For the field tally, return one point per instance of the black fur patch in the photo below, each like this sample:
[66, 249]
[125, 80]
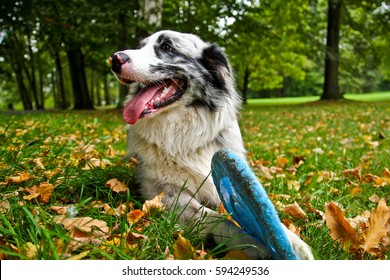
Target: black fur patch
[202, 103]
[213, 59]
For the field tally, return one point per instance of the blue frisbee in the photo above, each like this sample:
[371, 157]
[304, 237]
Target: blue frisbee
[246, 200]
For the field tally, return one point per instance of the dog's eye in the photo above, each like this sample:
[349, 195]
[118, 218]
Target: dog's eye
[165, 47]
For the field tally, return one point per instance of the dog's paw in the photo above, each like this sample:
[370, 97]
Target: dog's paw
[301, 249]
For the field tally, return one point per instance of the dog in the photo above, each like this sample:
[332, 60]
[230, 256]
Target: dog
[182, 108]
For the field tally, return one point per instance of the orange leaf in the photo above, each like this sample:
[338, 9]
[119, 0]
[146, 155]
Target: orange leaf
[281, 162]
[116, 185]
[17, 179]
[377, 227]
[42, 192]
[134, 216]
[294, 210]
[340, 229]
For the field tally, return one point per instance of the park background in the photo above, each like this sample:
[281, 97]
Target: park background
[53, 54]
[312, 73]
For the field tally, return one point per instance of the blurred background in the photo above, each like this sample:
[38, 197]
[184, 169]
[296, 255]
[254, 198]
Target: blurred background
[53, 53]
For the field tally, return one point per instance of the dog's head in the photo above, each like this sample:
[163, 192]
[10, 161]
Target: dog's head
[171, 69]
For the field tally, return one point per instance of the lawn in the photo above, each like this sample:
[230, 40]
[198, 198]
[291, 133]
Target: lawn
[63, 181]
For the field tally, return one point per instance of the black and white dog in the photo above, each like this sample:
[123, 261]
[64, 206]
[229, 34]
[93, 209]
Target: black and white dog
[182, 109]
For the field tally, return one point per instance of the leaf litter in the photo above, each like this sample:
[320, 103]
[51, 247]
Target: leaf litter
[283, 161]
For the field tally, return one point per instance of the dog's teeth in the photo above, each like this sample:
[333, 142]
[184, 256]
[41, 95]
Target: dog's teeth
[166, 90]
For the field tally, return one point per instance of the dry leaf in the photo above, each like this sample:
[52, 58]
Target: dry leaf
[374, 198]
[135, 237]
[17, 179]
[38, 163]
[134, 216]
[340, 229]
[168, 254]
[319, 214]
[281, 162]
[154, 204]
[60, 210]
[295, 211]
[4, 206]
[377, 226]
[79, 256]
[31, 250]
[182, 249]
[116, 185]
[42, 192]
[84, 224]
[353, 173]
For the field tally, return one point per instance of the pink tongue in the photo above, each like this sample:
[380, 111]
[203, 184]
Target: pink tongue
[133, 109]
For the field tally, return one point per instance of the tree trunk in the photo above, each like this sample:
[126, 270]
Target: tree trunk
[61, 88]
[15, 55]
[245, 86]
[150, 12]
[24, 95]
[81, 96]
[331, 82]
[124, 37]
[30, 73]
[107, 99]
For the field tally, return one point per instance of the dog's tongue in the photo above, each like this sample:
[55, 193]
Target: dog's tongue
[133, 109]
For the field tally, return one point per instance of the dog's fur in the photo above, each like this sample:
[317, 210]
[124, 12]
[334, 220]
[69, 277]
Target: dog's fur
[175, 143]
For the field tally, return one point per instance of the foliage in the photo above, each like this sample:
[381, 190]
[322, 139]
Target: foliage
[276, 47]
[63, 178]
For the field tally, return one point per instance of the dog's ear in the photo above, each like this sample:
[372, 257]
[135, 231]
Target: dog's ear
[217, 65]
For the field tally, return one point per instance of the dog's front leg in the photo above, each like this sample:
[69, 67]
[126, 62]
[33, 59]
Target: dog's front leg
[301, 249]
[190, 211]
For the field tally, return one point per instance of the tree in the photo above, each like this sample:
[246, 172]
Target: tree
[332, 56]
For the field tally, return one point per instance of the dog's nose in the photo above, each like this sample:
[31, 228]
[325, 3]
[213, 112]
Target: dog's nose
[117, 60]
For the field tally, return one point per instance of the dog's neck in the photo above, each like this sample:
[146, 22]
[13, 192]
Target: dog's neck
[182, 131]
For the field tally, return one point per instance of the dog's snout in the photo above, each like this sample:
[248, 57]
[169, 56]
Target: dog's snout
[117, 60]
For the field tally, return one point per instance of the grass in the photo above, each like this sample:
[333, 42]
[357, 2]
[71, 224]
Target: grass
[329, 138]
[367, 97]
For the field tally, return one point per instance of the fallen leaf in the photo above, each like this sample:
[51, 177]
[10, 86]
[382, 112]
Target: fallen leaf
[60, 210]
[340, 229]
[380, 182]
[355, 173]
[84, 224]
[356, 191]
[31, 250]
[135, 237]
[326, 176]
[377, 226]
[42, 192]
[38, 163]
[134, 216]
[168, 254]
[154, 204]
[4, 206]
[281, 162]
[182, 249]
[17, 179]
[295, 211]
[293, 185]
[319, 214]
[116, 185]
[79, 256]
[374, 198]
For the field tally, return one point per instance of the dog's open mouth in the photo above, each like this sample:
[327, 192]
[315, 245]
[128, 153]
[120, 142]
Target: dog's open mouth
[152, 97]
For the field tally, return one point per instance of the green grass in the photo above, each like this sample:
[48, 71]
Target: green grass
[366, 97]
[330, 137]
